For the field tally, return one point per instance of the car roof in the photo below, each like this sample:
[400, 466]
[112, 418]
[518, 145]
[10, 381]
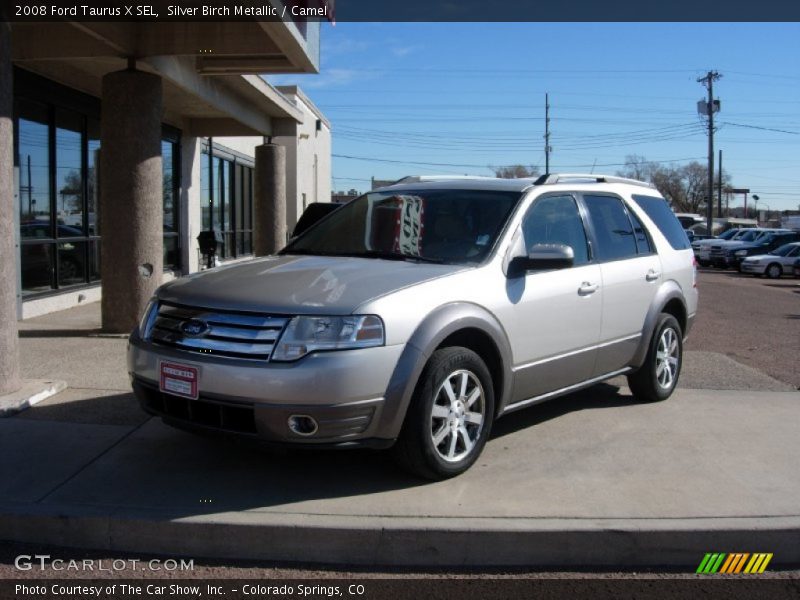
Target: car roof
[468, 182]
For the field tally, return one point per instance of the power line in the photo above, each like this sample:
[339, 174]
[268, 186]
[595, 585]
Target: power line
[762, 128]
[475, 166]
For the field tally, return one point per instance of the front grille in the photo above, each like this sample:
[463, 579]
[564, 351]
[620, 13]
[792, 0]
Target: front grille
[215, 414]
[228, 334]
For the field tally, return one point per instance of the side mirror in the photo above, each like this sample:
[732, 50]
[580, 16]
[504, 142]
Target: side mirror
[543, 257]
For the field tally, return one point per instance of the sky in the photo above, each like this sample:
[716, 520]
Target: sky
[459, 98]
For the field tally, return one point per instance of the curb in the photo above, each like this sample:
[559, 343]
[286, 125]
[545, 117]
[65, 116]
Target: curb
[32, 392]
[420, 542]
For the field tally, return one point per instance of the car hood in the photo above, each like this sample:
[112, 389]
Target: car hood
[743, 245]
[759, 257]
[299, 284]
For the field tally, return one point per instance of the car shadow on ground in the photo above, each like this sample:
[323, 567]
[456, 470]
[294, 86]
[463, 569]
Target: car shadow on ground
[786, 285]
[602, 395]
[179, 474]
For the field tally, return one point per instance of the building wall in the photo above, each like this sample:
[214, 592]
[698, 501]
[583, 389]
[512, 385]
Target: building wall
[308, 157]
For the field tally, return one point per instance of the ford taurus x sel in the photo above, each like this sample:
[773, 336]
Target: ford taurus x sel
[416, 315]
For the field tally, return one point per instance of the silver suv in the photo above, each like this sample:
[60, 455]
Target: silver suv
[417, 314]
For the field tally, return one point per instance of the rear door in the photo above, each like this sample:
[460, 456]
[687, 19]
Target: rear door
[630, 272]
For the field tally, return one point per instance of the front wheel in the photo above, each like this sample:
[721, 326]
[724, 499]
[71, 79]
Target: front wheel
[450, 416]
[774, 271]
[657, 377]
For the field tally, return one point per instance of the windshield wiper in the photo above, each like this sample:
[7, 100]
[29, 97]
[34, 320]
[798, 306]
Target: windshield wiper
[393, 256]
[365, 254]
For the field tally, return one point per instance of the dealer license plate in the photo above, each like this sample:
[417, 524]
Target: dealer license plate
[178, 379]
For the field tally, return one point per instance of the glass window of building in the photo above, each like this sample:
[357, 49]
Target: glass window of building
[226, 201]
[169, 158]
[57, 152]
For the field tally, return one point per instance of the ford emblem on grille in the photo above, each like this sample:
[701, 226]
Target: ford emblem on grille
[194, 328]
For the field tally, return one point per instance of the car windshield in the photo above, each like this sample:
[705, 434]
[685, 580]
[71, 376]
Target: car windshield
[727, 235]
[750, 235]
[448, 226]
[783, 250]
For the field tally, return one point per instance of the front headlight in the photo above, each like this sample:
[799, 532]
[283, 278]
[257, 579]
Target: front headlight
[741, 253]
[148, 318]
[308, 334]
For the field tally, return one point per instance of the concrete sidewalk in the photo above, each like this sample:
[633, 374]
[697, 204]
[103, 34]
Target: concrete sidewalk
[593, 479]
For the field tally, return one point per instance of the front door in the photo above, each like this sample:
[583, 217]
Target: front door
[556, 313]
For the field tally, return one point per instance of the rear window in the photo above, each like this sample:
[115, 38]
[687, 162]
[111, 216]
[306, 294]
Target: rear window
[661, 214]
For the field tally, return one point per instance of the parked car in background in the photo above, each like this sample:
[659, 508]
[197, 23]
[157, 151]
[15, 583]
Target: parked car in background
[721, 225]
[774, 264]
[722, 254]
[797, 268]
[689, 219]
[764, 244]
[702, 247]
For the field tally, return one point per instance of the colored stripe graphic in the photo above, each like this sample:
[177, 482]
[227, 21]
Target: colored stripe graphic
[734, 563]
[738, 562]
[758, 563]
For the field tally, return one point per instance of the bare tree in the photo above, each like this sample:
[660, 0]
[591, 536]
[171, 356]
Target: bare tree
[684, 187]
[515, 171]
[638, 167]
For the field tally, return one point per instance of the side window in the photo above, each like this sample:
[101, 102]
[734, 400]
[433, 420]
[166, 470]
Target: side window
[640, 233]
[612, 227]
[556, 220]
[660, 213]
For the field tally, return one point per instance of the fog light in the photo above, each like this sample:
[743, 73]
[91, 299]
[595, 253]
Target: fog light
[302, 425]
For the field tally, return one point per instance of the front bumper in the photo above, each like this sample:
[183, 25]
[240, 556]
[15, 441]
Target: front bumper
[344, 392]
[723, 261]
[753, 268]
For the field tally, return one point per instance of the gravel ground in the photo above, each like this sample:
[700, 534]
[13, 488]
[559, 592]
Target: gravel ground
[752, 320]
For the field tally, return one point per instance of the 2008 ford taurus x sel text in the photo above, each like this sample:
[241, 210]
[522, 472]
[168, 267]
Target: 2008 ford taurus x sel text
[417, 314]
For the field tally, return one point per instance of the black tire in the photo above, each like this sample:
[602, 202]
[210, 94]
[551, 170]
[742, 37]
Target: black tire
[417, 450]
[652, 383]
[773, 271]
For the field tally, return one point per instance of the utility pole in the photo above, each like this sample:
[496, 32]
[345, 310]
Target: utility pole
[708, 81]
[719, 187]
[547, 147]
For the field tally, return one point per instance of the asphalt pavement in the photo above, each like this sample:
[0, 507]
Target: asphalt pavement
[592, 479]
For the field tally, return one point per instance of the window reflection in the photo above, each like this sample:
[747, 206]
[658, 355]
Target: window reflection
[92, 180]
[71, 263]
[37, 267]
[34, 171]
[69, 171]
[57, 158]
[226, 201]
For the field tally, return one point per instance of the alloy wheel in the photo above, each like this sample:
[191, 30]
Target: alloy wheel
[667, 358]
[458, 415]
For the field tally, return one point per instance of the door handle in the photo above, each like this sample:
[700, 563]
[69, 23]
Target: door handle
[652, 275]
[587, 288]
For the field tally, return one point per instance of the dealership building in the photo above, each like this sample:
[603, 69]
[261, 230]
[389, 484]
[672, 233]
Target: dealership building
[121, 142]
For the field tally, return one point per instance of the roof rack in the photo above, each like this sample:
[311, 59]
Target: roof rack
[552, 178]
[424, 178]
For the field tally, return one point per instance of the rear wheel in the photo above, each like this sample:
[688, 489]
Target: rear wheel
[450, 416]
[658, 376]
[774, 271]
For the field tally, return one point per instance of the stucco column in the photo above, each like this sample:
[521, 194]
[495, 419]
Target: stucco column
[269, 202]
[9, 339]
[131, 196]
